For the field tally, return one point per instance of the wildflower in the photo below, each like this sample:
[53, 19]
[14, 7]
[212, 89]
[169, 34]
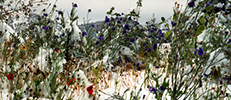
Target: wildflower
[97, 42]
[100, 37]
[75, 5]
[129, 18]
[138, 64]
[132, 40]
[191, 4]
[155, 46]
[178, 12]
[124, 31]
[23, 47]
[107, 19]
[84, 33]
[226, 32]
[162, 88]
[69, 81]
[57, 18]
[207, 5]
[149, 50]
[145, 53]
[44, 14]
[157, 66]
[200, 51]
[92, 25]
[229, 41]
[14, 45]
[207, 75]
[173, 23]
[60, 12]
[126, 27]
[113, 28]
[57, 50]
[90, 89]
[10, 77]
[175, 2]
[79, 42]
[63, 34]
[152, 89]
[89, 10]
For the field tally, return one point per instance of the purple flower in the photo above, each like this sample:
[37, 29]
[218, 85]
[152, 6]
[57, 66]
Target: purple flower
[226, 32]
[57, 18]
[92, 25]
[121, 19]
[14, 45]
[129, 18]
[207, 5]
[75, 5]
[126, 27]
[132, 39]
[152, 89]
[107, 19]
[162, 88]
[84, 33]
[191, 4]
[44, 14]
[100, 37]
[157, 66]
[79, 42]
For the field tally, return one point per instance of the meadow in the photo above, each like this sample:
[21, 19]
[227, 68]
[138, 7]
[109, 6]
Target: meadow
[186, 56]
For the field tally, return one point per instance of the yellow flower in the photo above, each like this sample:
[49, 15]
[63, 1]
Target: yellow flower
[23, 47]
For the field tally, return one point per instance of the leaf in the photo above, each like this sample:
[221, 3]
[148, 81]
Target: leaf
[202, 20]
[163, 19]
[200, 29]
[160, 23]
[174, 17]
[168, 33]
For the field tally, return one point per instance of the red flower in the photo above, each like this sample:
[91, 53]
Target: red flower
[69, 81]
[56, 50]
[10, 77]
[90, 89]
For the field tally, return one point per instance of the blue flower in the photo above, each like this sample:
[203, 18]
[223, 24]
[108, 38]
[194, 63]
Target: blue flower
[207, 75]
[57, 18]
[149, 50]
[155, 46]
[126, 27]
[200, 52]
[92, 25]
[229, 41]
[138, 64]
[113, 28]
[79, 42]
[75, 5]
[132, 39]
[100, 37]
[97, 42]
[191, 4]
[152, 89]
[162, 88]
[157, 66]
[173, 23]
[63, 34]
[84, 33]
[107, 19]
[226, 32]
[44, 14]
[124, 31]
[121, 19]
